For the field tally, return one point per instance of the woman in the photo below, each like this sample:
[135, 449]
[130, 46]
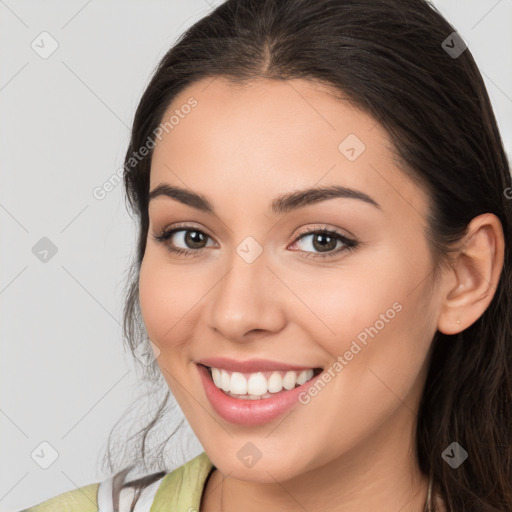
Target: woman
[323, 264]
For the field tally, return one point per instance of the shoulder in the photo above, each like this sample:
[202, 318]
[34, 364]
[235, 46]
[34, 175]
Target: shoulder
[167, 491]
[83, 499]
[182, 488]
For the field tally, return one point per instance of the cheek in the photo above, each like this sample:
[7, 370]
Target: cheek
[164, 304]
[171, 296]
[375, 311]
[345, 300]
[161, 304]
[151, 299]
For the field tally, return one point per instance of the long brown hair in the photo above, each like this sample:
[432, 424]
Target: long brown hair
[388, 58]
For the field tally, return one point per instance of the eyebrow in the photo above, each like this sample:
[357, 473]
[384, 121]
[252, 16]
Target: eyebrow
[282, 204]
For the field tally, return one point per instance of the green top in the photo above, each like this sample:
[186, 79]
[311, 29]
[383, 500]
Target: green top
[180, 490]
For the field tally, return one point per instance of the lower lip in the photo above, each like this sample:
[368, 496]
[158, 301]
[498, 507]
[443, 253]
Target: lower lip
[250, 412]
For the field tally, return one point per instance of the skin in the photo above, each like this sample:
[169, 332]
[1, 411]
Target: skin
[351, 447]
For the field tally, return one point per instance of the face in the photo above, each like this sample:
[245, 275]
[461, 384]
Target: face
[340, 283]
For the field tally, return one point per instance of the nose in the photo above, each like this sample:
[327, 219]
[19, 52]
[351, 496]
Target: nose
[248, 302]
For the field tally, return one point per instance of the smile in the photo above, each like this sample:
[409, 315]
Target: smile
[261, 384]
[255, 403]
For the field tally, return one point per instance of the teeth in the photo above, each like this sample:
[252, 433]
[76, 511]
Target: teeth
[303, 378]
[275, 383]
[252, 386]
[225, 381]
[289, 380]
[238, 384]
[257, 384]
[217, 377]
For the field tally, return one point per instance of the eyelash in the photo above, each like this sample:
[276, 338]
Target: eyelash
[165, 234]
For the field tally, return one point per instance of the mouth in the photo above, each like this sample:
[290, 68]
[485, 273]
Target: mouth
[258, 385]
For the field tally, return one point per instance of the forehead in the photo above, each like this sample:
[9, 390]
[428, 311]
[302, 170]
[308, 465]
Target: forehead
[267, 137]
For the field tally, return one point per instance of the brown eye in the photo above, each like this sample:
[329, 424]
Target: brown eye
[324, 241]
[193, 239]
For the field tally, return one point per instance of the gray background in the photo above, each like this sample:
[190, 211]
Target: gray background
[65, 122]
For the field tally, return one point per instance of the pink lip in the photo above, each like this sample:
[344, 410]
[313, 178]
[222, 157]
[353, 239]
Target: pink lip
[252, 365]
[250, 412]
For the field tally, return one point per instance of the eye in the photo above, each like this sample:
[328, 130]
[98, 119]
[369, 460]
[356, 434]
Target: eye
[324, 240]
[188, 235]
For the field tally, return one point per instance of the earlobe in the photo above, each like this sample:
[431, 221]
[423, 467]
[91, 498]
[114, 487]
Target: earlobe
[476, 275]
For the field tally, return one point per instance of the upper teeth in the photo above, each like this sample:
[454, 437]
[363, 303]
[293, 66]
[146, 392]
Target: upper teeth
[258, 383]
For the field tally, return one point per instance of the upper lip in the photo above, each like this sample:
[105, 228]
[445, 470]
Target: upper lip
[250, 365]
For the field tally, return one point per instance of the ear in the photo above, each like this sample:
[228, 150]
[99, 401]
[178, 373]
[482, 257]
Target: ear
[474, 276]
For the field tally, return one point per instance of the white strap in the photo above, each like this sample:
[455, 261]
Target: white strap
[106, 504]
[145, 499]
